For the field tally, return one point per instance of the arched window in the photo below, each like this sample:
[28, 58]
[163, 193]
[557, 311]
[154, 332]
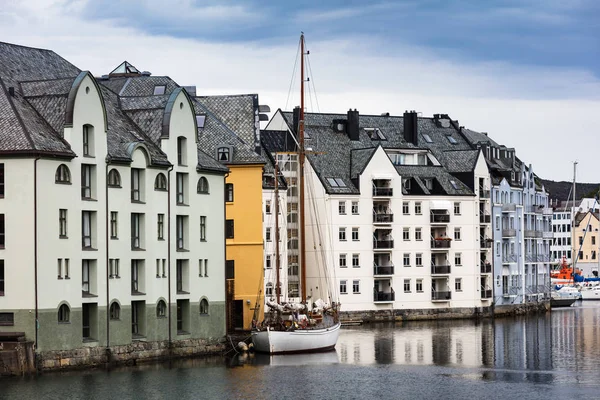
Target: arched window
[160, 183]
[203, 306]
[114, 178]
[203, 185]
[63, 175]
[115, 311]
[64, 313]
[161, 309]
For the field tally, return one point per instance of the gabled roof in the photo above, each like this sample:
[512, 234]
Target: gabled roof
[458, 161]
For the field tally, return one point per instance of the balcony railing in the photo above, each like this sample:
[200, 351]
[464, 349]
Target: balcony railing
[440, 243]
[383, 269]
[509, 232]
[384, 296]
[383, 191]
[383, 244]
[440, 269]
[486, 268]
[441, 296]
[485, 243]
[382, 218]
[484, 194]
[543, 258]
[529, 233]
[537, 209]
[547, 211]
[484, 219]
[440, 218]
[512, 207]
[486, 293]
[547, 235]
[509, 258]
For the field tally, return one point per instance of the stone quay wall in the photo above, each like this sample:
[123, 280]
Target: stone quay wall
[130, 354]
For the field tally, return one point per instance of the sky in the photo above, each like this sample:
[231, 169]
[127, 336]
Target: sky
[525, 71]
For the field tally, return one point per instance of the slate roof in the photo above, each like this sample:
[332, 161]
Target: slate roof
[334, 155]
[458, 161]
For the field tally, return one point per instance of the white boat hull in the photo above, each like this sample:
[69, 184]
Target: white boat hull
[298, 341]
[590, 293]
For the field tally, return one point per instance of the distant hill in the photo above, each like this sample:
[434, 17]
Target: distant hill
[560, 190]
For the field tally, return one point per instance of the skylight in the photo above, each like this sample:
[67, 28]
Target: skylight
[427, 138]
[336, 182]
[452, 140]
[375, 134]
[454, 185]
[159, 89]
[200, 119]
[340, 182]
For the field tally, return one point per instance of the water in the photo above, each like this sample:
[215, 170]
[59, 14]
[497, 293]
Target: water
[552, 356]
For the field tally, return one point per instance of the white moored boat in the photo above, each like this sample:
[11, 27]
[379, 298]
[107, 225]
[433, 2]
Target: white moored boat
[590, 293]
[296, 341]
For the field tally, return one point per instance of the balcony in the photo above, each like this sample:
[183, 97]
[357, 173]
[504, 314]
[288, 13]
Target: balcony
[534, 209]
[440, 218]
[543, 258]
[383, 191]
[547, 235]
[484, 194]
[440, 243]
[486, 293]
[512, 207]
[441, 296]
[440, 269]
[509, 258]
[485, 243]
[484, 219]
[547, 211]
[529, 233]
[383, 244]
[384, 297]
[486, 268]
[509, 233]
[383, 270]
[383, 218]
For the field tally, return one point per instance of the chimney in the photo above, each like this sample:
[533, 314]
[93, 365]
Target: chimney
[352, 125]
[296, 120]
[11, 91]
[411, 127]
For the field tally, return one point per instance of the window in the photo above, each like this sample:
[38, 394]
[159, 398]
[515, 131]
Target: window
[203, 228]
[200, 120]
[136, 184]
[355, 287]
[164, 268]
[1, 180]
[458, 259]
[114, 224]
[343, 261]
[87, 277]
[407, 286]
[293, 289]
[2, 231]
[204, 306]
[269, 289]
[405, 209]
[419, 259]
[88, 141]
[418, 234]
[87, 228]
[181, 226]
[268, 207]
[87, 172]
[64, 314]
[405, 233]
[457, 208]
[159, 89]
[115, 311]
[419, 286]
[229, 231]
[181, 180]
[229, 192]
[160, 227]
[181, 151]
[137, 229]
[161, 309]
[355, 208]
[268, 261]
[268, 234]
[457, 234]
[182, 276]
[451, 140]
[114, 178]
[137, 276]
[343, 289]
[593, 239]
[67, 268]
[63, 175]
[160, 183]
[223, 154]
[342, 234]
[342, 207]
[336, 182]
[427, 138]
[406, 259]
[203, 185]
[7, 319]
[593, 254]
[418, 208]
[292, 216]
[428, 183]
[355, 260]
[497, 223]
[458, 284]
[2, 277]
[454, 185]
[113, 265]
[354, 234]
[62, 223]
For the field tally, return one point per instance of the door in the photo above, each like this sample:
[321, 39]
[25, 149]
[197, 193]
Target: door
[238, 314]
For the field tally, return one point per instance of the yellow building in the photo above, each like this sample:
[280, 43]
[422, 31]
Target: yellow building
[230, 130]
[587, 242]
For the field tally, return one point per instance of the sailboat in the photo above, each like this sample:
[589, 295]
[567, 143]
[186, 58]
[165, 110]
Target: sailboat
[308, 326]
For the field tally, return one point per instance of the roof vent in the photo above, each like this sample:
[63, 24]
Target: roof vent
[146, 73]
[11, 91]
[385, 114]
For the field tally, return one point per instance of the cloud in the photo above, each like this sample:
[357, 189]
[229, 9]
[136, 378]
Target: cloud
[546, 113]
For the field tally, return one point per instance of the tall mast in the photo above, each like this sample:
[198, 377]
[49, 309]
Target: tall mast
[301, 175]
[575, 249]
[277, 258]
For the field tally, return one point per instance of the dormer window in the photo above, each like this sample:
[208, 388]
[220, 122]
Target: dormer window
[159, 89]
[223, 154]
[428, 183]
[375, 133]
[421, 159]
[406, 184]
[200, 120]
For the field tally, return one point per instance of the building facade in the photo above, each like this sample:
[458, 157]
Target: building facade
[587, 243]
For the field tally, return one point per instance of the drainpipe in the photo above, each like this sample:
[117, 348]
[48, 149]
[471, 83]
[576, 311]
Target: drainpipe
[35, 251]
[107, 219]
[227, 304]
[169, 251]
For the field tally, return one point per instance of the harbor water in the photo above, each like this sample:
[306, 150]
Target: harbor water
[551, 356]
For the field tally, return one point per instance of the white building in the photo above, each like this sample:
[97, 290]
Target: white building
[111, 216]
[561, 226]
